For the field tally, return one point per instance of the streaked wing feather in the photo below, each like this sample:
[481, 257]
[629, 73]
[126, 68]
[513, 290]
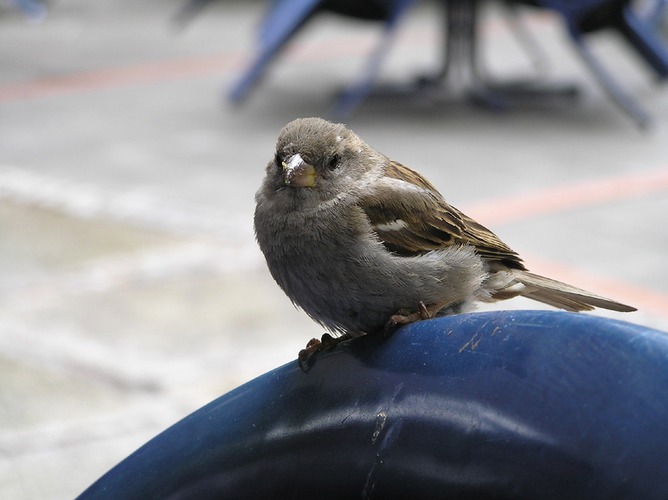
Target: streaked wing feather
[413, 218]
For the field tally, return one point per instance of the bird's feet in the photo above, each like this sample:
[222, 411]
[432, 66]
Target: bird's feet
[307, 356]
[404, 317]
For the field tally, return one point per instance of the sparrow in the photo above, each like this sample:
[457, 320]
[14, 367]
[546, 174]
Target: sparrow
[364, 244]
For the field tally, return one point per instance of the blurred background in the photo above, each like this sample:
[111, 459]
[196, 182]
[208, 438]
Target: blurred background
[131, 288]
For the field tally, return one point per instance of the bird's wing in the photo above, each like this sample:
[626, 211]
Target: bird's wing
[411, 217]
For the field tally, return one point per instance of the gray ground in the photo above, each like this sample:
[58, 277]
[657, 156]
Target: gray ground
[131, 289]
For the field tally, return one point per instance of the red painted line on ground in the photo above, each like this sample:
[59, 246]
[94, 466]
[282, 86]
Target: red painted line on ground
[124, 76]
[571, 197]
[169, 70]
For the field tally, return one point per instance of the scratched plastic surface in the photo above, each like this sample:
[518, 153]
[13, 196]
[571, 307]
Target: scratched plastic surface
[516, 404]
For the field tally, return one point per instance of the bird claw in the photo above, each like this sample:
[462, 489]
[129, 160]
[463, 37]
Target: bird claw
[307, 356]
[404, 317]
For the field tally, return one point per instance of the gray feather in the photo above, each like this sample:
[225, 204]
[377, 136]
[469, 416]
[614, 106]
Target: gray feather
[564, 296]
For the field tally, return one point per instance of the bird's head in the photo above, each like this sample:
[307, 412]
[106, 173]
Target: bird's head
[325, 158]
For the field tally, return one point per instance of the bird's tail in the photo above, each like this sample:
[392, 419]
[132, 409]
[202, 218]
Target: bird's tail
[558, 294]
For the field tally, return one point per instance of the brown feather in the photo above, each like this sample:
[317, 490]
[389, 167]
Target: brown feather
[434, 224]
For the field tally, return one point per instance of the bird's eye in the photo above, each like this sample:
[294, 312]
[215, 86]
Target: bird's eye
[278, 161]
[333, 162]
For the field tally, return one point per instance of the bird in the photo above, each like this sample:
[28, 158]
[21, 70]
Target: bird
[364, 244]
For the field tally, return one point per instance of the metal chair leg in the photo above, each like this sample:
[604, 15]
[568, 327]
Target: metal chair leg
[622, 98]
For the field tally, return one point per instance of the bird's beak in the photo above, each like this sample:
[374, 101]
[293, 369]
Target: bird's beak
[298, 173]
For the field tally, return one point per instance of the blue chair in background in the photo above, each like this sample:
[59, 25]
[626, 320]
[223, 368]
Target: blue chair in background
[583, 17]
[656, 15]
[286, 17]
[458, 73]
[34, 10]
[513, 404]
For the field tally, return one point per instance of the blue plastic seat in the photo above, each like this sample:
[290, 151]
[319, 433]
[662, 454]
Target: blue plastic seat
[516, 404]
